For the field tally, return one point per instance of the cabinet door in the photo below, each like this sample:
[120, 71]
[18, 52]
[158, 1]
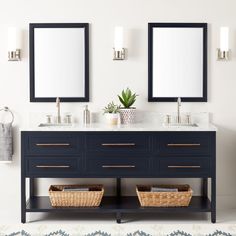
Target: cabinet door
[52, 143]
[183, 143]
[118, 167]
[184, 167]
[117, 142]
[53, 167]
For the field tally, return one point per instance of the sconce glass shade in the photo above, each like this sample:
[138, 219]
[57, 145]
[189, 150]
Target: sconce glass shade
[223, 52]
[224, 38]
[119, 38]
[14, 44]
[119, 50]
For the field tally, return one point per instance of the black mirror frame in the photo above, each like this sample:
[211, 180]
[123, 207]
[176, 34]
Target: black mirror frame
[150, 61]
[32, 26]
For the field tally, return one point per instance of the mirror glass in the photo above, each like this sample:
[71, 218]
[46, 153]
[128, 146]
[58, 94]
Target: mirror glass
[59, 62]
[177, 61]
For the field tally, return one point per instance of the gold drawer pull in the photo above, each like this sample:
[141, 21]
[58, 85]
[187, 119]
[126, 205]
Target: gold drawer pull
[118, 144]
[63, 166]
[118, 166]
[184, 166]
[183, 144]
[52, 144]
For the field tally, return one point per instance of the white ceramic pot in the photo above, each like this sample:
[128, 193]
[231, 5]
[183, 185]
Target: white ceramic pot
[127, 115]
[112, 118]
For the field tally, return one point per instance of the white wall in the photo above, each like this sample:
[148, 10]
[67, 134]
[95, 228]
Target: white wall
[108, 77]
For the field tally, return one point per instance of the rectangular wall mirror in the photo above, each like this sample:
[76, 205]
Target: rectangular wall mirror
[177, 62]
[59, 62]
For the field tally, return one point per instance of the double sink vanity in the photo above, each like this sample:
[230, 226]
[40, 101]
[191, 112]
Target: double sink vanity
[134, 151]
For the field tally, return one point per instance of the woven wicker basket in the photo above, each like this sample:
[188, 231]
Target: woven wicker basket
[91, 198]
[164, 199]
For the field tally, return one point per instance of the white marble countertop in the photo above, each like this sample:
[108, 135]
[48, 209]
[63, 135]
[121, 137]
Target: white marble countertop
[133, 127]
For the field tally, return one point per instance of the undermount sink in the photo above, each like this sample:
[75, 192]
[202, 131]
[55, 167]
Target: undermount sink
[180, 125]
[55, 125]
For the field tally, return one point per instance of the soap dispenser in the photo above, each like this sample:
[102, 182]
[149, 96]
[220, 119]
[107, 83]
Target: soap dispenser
[86, 115]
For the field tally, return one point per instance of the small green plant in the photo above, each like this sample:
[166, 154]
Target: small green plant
[111, 108]
[127, 98]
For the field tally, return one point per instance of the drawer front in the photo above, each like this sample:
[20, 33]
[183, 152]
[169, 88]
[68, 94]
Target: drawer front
[127, 142]
[129, 167]
[185, 167]
[52, 143]
[193, 143]
[53, 167]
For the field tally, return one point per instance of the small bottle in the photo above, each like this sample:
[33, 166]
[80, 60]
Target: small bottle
[188, 119]
[86, 115]
[168, 119]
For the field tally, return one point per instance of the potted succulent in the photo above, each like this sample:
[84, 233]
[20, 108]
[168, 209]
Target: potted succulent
[127, 112]
[112, 112]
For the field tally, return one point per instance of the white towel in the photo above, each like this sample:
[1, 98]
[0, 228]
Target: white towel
[6, 142]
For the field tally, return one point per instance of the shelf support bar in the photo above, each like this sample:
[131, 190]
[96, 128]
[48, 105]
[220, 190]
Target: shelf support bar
[118, 197]
[205, 187]
[118, 188]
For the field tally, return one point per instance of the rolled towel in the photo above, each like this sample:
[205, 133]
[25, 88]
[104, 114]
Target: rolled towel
[157, 189]
[82, 189]
[6, 142]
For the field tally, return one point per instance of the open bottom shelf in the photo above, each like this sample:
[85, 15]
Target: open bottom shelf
[113, 204]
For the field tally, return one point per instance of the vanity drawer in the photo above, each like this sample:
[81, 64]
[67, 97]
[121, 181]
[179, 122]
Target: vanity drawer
[187, 143]
[52, 143]
[184, 167]
[125, 142]
[53, 167]
[129, 167]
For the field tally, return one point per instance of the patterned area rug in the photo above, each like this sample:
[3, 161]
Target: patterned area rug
[119, 230]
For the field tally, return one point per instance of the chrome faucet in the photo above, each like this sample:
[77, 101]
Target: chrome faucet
[58, 110]
[178, 110]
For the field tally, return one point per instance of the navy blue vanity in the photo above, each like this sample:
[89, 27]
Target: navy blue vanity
[118, 154]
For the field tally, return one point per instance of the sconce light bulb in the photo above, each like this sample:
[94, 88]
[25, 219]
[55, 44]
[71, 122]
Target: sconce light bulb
[224, 39]
[119, 38]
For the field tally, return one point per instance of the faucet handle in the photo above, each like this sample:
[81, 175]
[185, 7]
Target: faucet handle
[188, 118]
[49, 119]
[168, 119]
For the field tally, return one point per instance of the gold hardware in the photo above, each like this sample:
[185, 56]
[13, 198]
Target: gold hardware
[118, 166]
[184, 166]
[118, 144]
[52, 144]
[41, 166]
[183, 144]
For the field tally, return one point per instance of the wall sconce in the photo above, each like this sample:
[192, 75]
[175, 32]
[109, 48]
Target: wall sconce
[119, 50]
[14, 53]
[223, 52]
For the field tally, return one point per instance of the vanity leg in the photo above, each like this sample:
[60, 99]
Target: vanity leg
[23, 199]
[118, 217]
[213, 200]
